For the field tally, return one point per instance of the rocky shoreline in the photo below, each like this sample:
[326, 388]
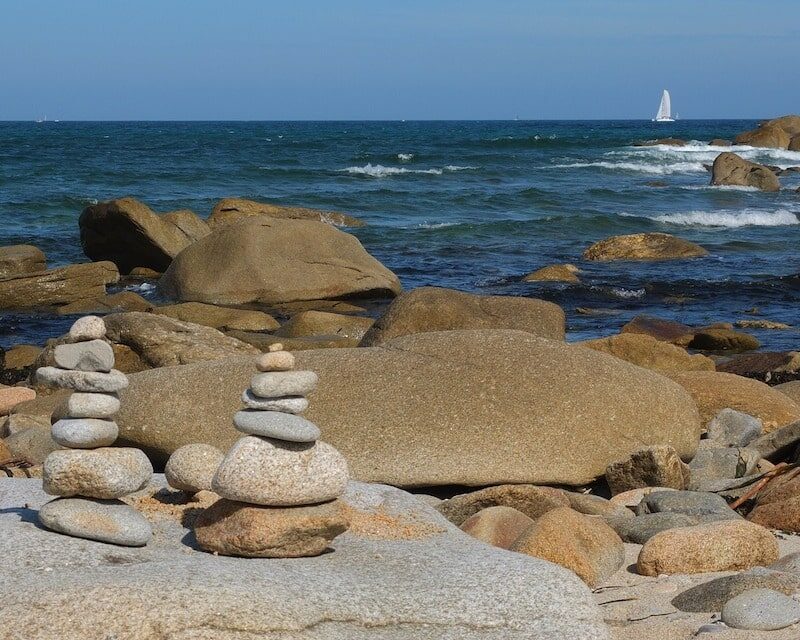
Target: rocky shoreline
[639, 485]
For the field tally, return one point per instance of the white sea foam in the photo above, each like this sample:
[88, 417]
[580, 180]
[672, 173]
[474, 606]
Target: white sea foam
[640, 167]
[433, 225]
[699, 152]
[144, 287]
[379, 171]
[721, 187]
[404, 157]
[731, 219]
[455, 167]
[627, 294]
[726, 218]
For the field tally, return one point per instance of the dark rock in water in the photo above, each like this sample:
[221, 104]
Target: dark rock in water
[670, 142]
[766, 135]
[712, 595]
[723, 339]
[656, 183]
[660, 329]
[730, 169]
[129, 234]
[772, 367]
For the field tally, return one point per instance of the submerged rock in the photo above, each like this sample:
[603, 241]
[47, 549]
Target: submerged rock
[554, 273]
[643, 246]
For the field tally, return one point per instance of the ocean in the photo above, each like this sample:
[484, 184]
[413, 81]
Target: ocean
[469, 205]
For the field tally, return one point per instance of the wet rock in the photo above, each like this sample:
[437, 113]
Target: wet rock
[554, 273]
[643, 246]
[723, 339]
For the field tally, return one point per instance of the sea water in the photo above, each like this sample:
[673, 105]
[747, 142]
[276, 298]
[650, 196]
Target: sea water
[468, 205]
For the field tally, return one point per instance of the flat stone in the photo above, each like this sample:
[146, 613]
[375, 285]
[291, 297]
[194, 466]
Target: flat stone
[85, 433]
[648, 467]
[102, 520]
[761, 610]
[711, 596]
[457, 587]
[693, 503]
[87, 328]
[94, 355]
[275, 424]
[497, 526]
[587, 546]
[271, 472]
[733, 428]
[105, 473]
[641, 528]
[278, 384]
[718, 546]
[532, 500]
[238, 529]
[87, 405]
[192, 467]
[88, 381]
[10, 397]
[275, 361]
[289, 404]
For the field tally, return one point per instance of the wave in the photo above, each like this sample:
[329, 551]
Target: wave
[627, 294]
[640, 167]
[405, 157]
[381, 171]
[729, 219]
[720, 187]
[433, 225]
[701, 152]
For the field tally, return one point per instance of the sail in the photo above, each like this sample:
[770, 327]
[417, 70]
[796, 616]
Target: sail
[664, 109]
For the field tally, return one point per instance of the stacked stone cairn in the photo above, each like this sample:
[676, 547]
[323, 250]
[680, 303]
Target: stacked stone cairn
[89, 475]
[279, 484]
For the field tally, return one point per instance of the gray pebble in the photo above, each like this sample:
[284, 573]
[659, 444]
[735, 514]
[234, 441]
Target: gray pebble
[87, 328]
[761, 610]
[89, 381]
[87, 405]
[102, 520]
[277, 384]
[95, 355]
[274, 424]
[289, 404]
[84, 433]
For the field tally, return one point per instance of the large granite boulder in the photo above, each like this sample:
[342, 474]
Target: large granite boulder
[21, 259]
[161, 341]
[714, 391]
[643, 246]
[776, 133]
[57, 287]
[457, 407]
[401, 572]
[438, 309]
[272, 261]
[222, 318]
[645, 351]
[129, 234]
[229, 210]
[730, 169]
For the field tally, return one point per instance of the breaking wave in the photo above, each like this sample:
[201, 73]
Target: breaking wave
[730, 219]
[380, 171]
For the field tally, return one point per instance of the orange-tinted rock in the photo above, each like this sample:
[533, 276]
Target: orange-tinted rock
[497, 526]
[530, 499]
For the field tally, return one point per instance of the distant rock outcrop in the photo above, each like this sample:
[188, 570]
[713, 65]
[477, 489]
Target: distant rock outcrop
[776, 133]
[730, 169]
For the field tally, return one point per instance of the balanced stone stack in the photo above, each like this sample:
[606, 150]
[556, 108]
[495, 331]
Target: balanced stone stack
[279, 483]
[90, 475]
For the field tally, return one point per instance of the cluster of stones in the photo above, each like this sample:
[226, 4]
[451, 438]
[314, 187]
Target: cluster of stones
[89, 475]
[278, 484]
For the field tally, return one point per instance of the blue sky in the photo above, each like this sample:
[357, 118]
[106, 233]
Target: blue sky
[413, 59]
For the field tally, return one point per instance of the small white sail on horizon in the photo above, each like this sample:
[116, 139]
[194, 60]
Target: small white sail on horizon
[664, 109]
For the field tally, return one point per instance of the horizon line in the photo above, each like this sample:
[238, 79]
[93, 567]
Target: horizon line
[246, 120]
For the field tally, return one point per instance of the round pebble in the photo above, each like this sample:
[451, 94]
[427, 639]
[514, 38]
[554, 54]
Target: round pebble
[275, 473]
[94, 355]
[84, 433]
[104, 473]
[191, 468]
[289, 404]
[87, 405]
[87, 381]
[278, 384]
[275, 361]
[87, 328]
[275, 424]
[761, 610]
[102, 520]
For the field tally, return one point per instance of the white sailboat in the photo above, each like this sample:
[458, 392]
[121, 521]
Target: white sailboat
[664, 109]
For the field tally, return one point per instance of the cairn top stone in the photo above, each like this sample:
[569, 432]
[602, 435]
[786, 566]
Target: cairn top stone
[87, 328]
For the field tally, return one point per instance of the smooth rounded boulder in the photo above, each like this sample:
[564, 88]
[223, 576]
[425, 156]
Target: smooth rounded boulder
[731, 169]
[438, 309]
[275, 261]
[457, 407]
[643, 246]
